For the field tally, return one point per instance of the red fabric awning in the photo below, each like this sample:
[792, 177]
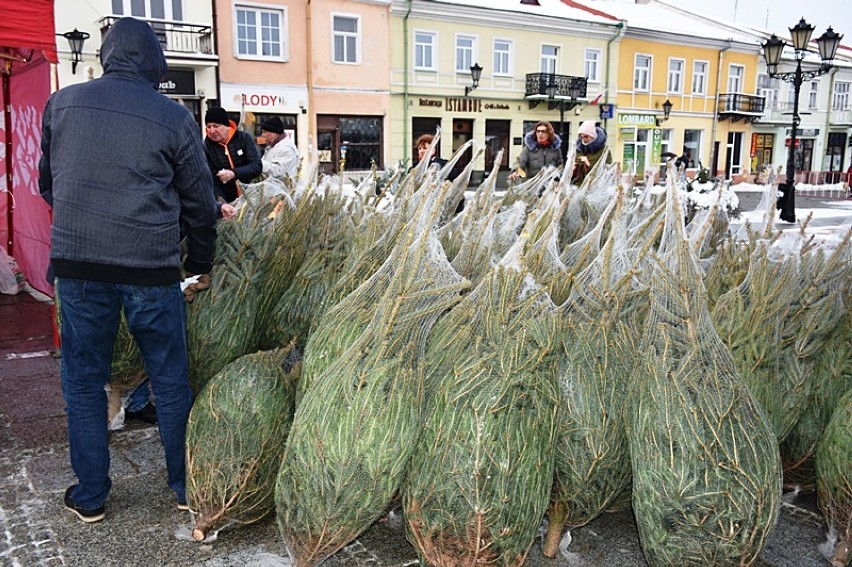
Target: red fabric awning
[28, 24]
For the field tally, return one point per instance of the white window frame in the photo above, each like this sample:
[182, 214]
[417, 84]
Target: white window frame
[168, 8]
[840, 98]
[431, 47]
[736, 75]
[346, 35]
[507, 55]
[592, 65]
[465, 56]
[699, 77]
[813, 95]
[674, 83]
[769, 88]
[642, 75]
[283, 32]
[549, 62]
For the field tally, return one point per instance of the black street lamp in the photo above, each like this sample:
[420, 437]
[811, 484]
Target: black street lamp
[75, 39]
[475, 75]
[773, 49]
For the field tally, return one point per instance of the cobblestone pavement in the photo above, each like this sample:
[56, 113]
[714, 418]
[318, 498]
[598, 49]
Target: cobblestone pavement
[142, 526]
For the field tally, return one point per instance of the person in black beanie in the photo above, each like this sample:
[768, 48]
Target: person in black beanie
[231, 155]
[281, 157]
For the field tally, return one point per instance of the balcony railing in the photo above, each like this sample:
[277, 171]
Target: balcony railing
[537, 83]
[739, 106]
[175, 37]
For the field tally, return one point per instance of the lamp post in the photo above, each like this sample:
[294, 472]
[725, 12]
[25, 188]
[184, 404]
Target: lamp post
[475, 75]
[773, 49]
[667, 112]
[75, 42]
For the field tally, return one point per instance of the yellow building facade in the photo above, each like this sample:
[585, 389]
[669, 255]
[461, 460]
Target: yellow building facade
[436, 43]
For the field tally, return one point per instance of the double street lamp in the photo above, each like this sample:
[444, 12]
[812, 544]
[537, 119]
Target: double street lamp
[773, 49]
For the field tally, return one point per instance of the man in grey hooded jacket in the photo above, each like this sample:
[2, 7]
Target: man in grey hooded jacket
[124, 169]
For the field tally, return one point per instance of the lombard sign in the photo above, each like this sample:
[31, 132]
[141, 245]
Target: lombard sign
[261, 98]
[637, 120]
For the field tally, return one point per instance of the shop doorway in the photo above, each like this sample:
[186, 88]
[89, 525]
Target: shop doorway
[462, 132]
[420, 126]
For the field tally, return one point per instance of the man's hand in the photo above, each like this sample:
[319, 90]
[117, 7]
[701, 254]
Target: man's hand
[226, 175]
[229, 212]
[201, 284]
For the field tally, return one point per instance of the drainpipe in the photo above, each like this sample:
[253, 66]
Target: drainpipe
[310, 78]
[405, 120]
[716, 103]
[619, 31]
[214, 37]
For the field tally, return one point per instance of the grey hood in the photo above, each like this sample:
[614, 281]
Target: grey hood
[131, 49]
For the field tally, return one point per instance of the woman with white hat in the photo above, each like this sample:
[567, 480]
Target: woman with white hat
[591, 145]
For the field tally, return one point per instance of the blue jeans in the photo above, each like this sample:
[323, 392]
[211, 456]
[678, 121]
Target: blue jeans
[156, 317]
[139, 398]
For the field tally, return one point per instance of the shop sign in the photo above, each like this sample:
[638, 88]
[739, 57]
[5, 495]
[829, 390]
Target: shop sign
[431, 102]
[464, 105]
[258, 98]
[637, 120]
[178, 82]
[806, 132]
[753, 145]
[656, 145]
[496, 106]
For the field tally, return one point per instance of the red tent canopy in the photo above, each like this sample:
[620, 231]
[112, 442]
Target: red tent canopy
[28, 24]
[27, 43]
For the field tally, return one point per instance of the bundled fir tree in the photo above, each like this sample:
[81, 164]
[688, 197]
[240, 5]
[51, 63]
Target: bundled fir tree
[705, 463]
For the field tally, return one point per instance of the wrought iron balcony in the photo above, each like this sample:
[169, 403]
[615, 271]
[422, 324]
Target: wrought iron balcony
[175, 37]
[568, 89]
[739, 106]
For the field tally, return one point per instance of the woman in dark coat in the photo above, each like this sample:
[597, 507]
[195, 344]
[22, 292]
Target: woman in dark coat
[541, 148]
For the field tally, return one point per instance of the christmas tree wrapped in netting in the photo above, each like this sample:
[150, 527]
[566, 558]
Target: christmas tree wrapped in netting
[749, 319]
[705, 462]
[350, 305]
[833, 377]
[478, 483]
[358, 421]
[329, 245]
[235, 438]
[221, 322]
[596, 364]
[815, 310]
[833, 464]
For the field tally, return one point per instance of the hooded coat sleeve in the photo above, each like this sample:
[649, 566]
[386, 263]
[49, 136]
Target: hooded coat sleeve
[194, 184]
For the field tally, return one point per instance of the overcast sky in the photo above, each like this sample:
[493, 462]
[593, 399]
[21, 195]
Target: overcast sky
[782, 14]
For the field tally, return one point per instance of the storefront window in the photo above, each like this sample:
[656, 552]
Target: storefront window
[692, 147]
[355, 139]
[496, 139]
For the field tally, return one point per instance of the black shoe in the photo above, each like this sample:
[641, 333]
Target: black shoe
[148, 414]
[88, 516]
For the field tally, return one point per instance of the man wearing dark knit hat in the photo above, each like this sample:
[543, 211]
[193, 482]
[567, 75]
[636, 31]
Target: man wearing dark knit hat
[231, 154]
[281, 157]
